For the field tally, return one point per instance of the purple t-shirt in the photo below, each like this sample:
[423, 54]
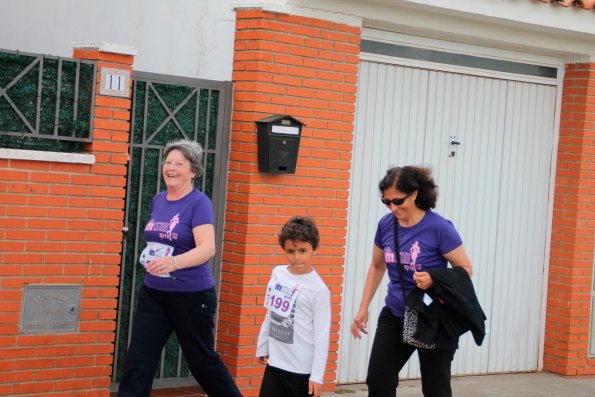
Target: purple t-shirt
[421, 245]
[171, 223]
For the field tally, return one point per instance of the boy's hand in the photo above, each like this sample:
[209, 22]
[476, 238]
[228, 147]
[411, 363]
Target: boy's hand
[314, 388]
[263, 360]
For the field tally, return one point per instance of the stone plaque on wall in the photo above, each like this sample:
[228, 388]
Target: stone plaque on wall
[51, 308]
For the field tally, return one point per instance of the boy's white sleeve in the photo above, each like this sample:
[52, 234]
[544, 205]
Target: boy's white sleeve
[262, 347]
[322, 326]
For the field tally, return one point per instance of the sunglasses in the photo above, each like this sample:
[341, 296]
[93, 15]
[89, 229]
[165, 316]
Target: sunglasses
[395, 201]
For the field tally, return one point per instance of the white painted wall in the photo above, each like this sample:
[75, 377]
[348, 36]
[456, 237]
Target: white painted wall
[522, 25]
[194, 38]
[190, 38]
[532, 12]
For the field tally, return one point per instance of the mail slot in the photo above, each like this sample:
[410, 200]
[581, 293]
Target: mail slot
[278, 143]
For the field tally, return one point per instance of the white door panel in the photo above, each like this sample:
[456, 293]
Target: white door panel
[494, 186]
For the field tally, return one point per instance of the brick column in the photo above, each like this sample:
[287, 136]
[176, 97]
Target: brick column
[61, 223]
[571, 258]
[111, 134]
[306, 68]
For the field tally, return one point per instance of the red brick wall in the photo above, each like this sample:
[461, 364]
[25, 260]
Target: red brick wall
[61, 223]
[306, 68]
[571, 257]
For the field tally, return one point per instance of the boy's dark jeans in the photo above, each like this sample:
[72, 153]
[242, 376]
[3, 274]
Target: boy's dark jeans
[280, 383]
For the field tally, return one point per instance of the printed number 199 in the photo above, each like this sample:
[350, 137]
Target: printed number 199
[279, 302]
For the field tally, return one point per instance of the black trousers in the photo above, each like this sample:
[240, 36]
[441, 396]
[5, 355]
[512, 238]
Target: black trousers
[390, 354]
[190, 315]
[280, 383]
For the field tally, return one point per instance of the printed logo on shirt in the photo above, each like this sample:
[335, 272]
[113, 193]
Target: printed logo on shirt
[281, 328]
[413, 254]
[166, 228]
[389, 255]
[408, 259]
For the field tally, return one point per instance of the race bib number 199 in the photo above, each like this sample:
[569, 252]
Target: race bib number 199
[281, 296]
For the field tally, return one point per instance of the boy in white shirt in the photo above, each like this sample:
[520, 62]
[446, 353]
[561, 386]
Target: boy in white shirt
[294, 336]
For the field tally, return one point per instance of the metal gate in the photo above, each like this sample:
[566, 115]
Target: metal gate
[490, 142]
[164, 109]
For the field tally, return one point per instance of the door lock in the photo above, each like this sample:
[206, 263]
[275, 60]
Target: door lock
[454, 142]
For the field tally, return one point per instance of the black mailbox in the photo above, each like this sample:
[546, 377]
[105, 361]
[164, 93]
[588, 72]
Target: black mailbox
[278, 143]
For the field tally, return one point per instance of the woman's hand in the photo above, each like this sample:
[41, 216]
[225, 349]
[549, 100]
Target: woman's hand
[314, 388]
[360, 322]
[423, 280]
[160, 266]
[263, 359]
[373, 279]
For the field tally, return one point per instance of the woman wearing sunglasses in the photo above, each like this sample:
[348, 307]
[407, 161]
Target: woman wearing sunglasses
[425, 241]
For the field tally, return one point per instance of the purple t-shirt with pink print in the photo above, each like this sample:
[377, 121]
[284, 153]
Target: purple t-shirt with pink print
[171, 223]
[421, 245]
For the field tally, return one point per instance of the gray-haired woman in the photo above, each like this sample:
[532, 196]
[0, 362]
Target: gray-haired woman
[178, 293]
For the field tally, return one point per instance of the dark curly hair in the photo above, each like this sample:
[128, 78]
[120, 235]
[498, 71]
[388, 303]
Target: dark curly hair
[409, 179]
[300, 228]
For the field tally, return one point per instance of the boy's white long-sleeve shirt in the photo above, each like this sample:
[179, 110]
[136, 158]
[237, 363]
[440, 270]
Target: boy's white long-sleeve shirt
[299, 343]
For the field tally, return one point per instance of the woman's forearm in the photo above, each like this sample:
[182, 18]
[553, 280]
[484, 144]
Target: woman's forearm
[195, 257]
[204, 237]
[373, 279]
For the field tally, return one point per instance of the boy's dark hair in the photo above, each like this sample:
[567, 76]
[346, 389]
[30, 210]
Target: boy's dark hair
[300, 228]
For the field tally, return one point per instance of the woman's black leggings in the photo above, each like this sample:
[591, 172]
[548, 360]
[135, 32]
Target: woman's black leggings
[190, 315]
[390, 354]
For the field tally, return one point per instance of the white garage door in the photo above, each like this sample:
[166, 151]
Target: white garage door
[494, 186]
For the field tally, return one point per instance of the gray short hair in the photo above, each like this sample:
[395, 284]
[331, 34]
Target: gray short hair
[191, 150]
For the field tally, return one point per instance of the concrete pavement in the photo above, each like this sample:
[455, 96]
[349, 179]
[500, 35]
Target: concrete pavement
[536, 384]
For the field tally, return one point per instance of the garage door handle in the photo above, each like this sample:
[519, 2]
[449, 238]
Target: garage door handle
[454, 142]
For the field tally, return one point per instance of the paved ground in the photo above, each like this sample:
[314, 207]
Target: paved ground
[540, 384]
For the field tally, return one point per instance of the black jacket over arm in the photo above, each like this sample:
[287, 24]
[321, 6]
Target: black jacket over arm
[454, 310]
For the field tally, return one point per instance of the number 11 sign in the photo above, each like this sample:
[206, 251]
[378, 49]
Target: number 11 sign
[115, 82]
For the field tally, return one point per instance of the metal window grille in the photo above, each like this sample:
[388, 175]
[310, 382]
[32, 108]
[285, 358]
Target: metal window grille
[46, 97]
